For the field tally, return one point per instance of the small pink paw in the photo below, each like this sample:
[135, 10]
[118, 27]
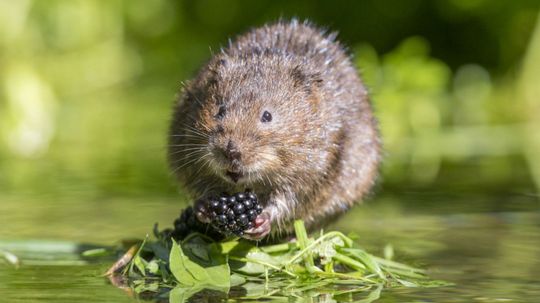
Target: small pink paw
[262, 228]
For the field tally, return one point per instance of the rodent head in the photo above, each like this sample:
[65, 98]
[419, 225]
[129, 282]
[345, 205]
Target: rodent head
[258, 117]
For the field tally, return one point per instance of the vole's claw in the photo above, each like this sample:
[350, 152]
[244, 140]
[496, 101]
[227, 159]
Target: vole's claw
[200, 211]
[263, 226]
[202, 217]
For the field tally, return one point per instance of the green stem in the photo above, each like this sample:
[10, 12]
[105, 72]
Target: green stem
[349, 261]
[274, 267]
[329, 267]
[393, 264]
[131, 263]
[303, 242]
[277, 248]
[343, 276]
[348, 243]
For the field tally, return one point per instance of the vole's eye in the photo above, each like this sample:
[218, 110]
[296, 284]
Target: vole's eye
[266, 117]
[221, 112]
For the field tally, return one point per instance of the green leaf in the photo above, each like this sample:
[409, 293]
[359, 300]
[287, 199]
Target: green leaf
[275, 272]
[153, 267]
[136, 261]
[254, 290]
[366, 259]
[373, 295]
[140, 264]
[407, 283]
[198, 248]
[143, 287]
[237, 280]
[160, 251]
[187, 272]
[256, 263]
[178, 263]
[327, 249]
[181, 294]
[96, 252]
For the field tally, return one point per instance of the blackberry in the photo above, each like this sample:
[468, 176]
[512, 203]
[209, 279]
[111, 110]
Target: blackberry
[187, 223]
[233, 214]
[229, 214]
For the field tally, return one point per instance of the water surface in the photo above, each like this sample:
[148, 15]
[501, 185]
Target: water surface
[489, 255]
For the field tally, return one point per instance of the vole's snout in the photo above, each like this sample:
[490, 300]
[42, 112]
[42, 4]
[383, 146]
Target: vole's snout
[231, 152]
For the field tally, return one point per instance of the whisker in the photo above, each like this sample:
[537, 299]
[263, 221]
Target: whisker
[186, 150]
[190, 130]
[202, 166]
[185, 136]
[189, 162]
[207, 163]
[188, 155]
[196, 135]
[187, 145]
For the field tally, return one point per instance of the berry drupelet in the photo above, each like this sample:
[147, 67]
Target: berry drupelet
[234, 214]
[229, 214]
[187, 223]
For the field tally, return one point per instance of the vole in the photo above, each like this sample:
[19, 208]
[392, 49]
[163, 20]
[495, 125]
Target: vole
[281, 110]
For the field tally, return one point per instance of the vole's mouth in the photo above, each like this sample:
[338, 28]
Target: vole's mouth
[234, 176]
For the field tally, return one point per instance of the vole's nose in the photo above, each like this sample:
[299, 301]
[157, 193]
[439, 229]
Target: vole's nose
[232, 152]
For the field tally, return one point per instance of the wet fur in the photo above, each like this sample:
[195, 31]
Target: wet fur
[317, 157]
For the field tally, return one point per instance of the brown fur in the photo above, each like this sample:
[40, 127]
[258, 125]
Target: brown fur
[315, 159]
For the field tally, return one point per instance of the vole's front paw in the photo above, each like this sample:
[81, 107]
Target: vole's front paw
[263, 225]
[201, 210]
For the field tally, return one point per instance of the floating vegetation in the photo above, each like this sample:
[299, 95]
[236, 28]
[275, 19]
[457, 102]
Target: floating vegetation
[331, 264]
[9, 257]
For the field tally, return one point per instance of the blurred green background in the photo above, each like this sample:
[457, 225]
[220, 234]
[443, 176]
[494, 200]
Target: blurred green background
[86, 89]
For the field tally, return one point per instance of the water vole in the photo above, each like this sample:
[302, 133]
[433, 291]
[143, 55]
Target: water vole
[282, 111]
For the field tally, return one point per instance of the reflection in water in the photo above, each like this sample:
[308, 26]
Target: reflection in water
[489, 256]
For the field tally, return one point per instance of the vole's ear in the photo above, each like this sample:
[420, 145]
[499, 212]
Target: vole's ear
[306, 80]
